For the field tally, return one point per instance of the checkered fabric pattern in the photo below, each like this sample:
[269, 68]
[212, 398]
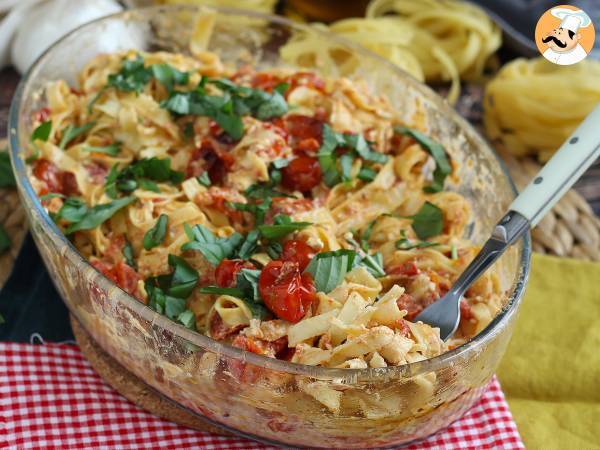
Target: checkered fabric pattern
[51, 398]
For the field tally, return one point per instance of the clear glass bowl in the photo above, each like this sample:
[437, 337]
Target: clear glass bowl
[272, 402]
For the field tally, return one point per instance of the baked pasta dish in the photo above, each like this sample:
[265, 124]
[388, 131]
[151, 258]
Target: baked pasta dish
[286, 214]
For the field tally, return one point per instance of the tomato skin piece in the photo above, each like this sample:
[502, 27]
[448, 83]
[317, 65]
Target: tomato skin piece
[410, 304]
[121, 274]
[227, 270]
[57, 181]
[408, 269]
[302, 174]
[297, 251]
[304, 127]
[285, 291]
[465, 310]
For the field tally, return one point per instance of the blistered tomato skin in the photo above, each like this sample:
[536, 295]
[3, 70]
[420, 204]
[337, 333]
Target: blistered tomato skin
[227, 270]
[286, 292]
[298, 251]
[57, 181]
[302, 174]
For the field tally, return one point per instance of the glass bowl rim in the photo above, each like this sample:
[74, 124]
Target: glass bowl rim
[222, 348]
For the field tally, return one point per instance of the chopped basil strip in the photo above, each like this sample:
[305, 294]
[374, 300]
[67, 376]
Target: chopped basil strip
[282, 226]
[112, 149]
[356, 145]
[217, 290]
[169, 76]
[143, 174]
[328, 269]
[214, 249]
[42, 131]
[249, 245]
[204, 179]
[71, 132]
[406, 244]
[428, 222]
[51, 195]
[246, 289]
[372, 262]
[156, 235]
[436, 150]
[73, 210]
[4, 240]
[94, 216]
[274, 250]
[128, 255]
[7, 177]
[132, 77]
[259, 210]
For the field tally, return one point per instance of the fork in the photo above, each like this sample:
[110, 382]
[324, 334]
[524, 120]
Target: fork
[576, 154]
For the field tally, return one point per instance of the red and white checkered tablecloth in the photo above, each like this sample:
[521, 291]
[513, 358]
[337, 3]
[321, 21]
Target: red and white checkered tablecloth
[51, 398]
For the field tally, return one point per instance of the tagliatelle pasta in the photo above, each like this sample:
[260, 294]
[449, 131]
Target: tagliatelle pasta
[289, 215]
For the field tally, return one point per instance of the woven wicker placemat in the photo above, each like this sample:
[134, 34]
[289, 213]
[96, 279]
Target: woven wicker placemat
[12, 219]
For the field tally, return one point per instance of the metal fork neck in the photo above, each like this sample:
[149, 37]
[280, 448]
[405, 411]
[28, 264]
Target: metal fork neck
[510, 228]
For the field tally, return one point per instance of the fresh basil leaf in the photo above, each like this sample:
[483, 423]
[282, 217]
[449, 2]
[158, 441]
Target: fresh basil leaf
[147, 185]
[436, 150]
[281, 88]
[42, 131]
[274, 106]
[328, 269]
[346, 165]
[98, 214]
[96, 97]
[183, 279]
[112, 149]
[204, 179]
[258, 310]
[7, 177]
[174, 307]
[366, 174]
[71, 132]
[263, 190]
[259, 210]
[249, 245]
[128, 254]
[280, 163]
[187, 319]
[212, 248]
[281, 227]
[110, 186]
[373, 263]
[406, 244]
[132, 77]
[156, 235]
[274, 250]
[168, 75]
[73, 210]
[428, 222]
[4, 240]
[217, 290]
[231, 123]
[247, 281]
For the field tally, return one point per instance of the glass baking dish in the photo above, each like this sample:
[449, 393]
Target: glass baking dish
[276, 402]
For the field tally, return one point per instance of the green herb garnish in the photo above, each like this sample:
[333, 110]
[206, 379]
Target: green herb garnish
[143, 174]
[71, 132]
[156, 235]
[204, 179]
[213, 248]
[428, 222]
[328, 269]
[282, 226]
[83, 218]
[128, 254]
[42, 132]
[356, 146]
[436, 150]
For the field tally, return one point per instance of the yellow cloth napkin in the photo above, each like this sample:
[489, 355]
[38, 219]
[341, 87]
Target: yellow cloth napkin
[551, 370]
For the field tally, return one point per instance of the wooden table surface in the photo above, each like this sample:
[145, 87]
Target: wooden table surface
[588, 185]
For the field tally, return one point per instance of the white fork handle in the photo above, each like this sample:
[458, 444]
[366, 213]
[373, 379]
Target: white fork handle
[578, 152]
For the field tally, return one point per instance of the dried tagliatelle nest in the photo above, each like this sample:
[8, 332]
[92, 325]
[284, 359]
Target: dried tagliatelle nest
[532, 106]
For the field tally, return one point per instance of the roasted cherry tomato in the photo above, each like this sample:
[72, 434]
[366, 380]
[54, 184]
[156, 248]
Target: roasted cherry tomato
[56, 180]
[410, 304]
[304, 127]
[302, 174]
[465, 310]
[298, 251]
[121, 274]
[408, 269]
[265, 81]
[226, 272]
[286, 292]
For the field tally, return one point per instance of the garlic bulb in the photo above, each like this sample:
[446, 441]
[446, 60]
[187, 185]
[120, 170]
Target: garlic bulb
[47, 21]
